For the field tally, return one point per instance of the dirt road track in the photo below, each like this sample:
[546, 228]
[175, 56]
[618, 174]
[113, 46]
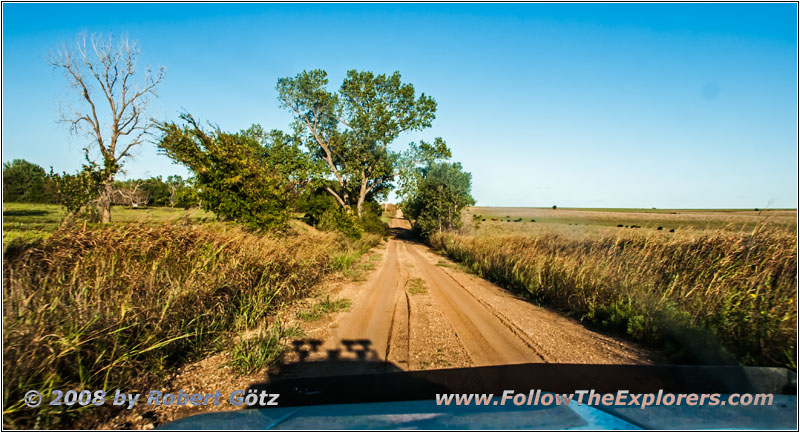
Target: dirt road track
[457, 320]
[486, 340]
[369, 324]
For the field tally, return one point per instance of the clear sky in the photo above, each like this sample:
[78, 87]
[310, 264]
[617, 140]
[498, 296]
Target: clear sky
[594, 105]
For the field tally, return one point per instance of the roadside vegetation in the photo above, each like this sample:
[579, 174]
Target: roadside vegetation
[702, 296]
[323, 308]
[250, 353]
[121, 306]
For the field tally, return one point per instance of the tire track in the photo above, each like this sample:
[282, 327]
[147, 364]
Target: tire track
[487, 340]
[370, 323]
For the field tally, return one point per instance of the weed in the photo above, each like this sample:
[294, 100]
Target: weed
[257, 352]
[352, 251]
[337, 305]
[326, 306]
[310, 315]
[416, 286]
[355, 274]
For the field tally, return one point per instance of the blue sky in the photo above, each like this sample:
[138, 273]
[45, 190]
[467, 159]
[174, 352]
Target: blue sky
[593, 105]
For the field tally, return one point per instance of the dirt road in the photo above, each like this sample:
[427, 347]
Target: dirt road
[417, 310]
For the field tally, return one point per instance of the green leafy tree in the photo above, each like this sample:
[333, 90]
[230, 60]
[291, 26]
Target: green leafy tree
[411, 165]
[441, 192]
[78, 192]
[322, 211]
[252, 176]
[176, 187]
[370, 219]
[157, 191]
[337, 219]
[187, 194]
[24, 181]
[314, 202]
[349, 131]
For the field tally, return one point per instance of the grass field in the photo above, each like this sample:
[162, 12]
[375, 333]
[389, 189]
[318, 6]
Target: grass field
[580, 222]
[38, 220]
[721, 287]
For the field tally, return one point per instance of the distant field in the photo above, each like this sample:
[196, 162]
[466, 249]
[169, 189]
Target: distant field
[37, 220]
[575, 221]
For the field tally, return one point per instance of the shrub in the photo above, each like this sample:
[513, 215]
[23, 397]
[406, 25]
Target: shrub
[336, 219]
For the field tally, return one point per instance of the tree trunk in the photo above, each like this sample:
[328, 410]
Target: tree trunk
[362, 194]
[360, 202]
[104, 202]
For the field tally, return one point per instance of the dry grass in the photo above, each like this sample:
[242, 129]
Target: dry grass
[122, 306]
[702, 296]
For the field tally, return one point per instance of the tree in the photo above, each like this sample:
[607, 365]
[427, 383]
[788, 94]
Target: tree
[131, 193]
[251, 176]
[185, 193]
[411, 166]
[348, 132]
[78, 192]
[112, 104]
[24, 181]
[157, 191]
[175, 184]
[438, 198]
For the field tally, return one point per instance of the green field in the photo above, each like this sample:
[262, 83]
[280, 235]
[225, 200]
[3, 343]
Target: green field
[38, 220]
[581, 221]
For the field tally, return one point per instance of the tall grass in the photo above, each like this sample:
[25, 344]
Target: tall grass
[714, 297]
[121, 306]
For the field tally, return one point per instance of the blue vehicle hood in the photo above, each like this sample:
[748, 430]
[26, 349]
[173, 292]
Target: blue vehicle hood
[405, 400]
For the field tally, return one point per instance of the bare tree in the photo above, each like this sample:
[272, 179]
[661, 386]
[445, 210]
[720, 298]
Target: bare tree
[131, 195]
[112, 103]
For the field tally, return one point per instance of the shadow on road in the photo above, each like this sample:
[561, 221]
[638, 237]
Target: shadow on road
[351, 357]
[405, 234]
